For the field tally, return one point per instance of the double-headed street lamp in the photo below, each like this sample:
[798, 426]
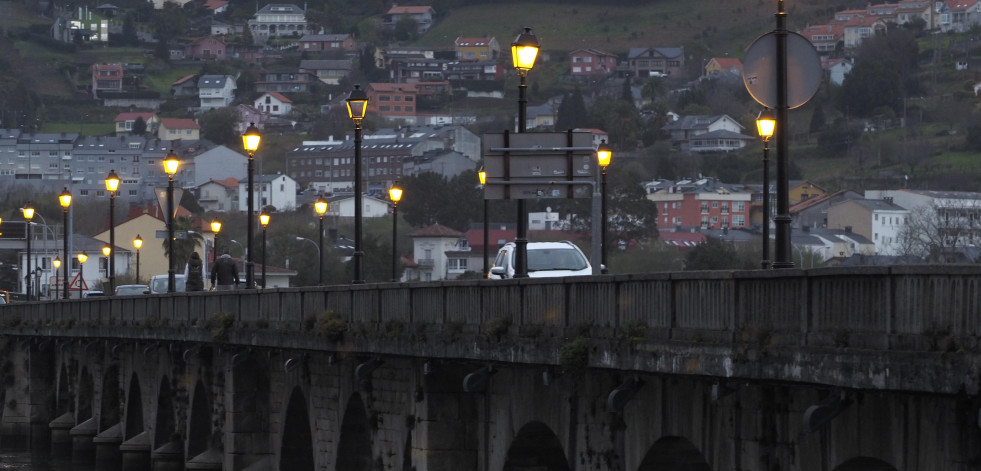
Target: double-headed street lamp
[357, 105]
[603, 156]
[320, 206]
[264, 222]
[138, 243]
[28, 215]
[82, 257]
[171, 163]
[395, 194]
[250, 140]
[765, 125]
[112, 184]
[524, 50]
[65, 199]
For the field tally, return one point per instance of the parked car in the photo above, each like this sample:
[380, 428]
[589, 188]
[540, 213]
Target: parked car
[158, 283]
[92, 294]
[133, 290]
[545, 260]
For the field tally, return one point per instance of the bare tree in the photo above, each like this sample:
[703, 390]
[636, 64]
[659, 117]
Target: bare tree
[934, 233]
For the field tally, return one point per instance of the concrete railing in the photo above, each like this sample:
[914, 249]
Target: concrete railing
[866, 315]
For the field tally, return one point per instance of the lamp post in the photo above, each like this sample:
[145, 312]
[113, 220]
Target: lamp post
[250, 140]
[106, 252]
[264, 221]
[782, 256]
[171, 164]
[82, 257]
[319, 254]
[357, 105]
[482, 176]
[56, 263]
[524, 50]
[215, 228]
[138, 242]
[65, 199]
[765, 125]
[321, 207]
[28, 215]
[603, 156]
[112, 184]
[395, 194]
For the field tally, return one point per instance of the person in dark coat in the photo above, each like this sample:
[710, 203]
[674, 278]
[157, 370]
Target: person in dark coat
[195, 279]
[224, 274]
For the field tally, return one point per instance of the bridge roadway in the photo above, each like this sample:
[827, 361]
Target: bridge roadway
[875, 368]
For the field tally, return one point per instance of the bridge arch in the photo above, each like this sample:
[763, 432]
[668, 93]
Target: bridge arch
[250, 407]
[673, 453]
[199, 428]
[109, 413]
[864, 463]
[86, 394]
[296, 451]
[354, 446]
[64, 402]
[134, 409]
[536, 447]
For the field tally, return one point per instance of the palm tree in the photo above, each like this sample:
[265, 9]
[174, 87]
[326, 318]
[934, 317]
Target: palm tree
[183, 246]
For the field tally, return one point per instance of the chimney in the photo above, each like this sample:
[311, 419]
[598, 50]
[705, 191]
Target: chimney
[848, 229]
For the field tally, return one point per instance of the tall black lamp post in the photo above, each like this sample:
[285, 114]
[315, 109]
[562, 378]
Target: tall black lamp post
[65, 199]
[782, 256]
[264, 222]
[112, 184]
[28, 215]
[250, 140]
[603, 156]
[765, 125]
[482, 176]
[524, 50]
[138, 243]
[357, 105]
[395, 194]
[321, 208]
[171, 164]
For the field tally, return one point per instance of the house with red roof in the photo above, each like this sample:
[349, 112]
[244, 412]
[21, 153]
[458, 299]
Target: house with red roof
[185, 86]
[421, 15]
[438, 253]
[208, 48]
[473, 49]
[719, 65]
[179, 128]
[274, 103]
[125, 121]
[397, 101]
[216, 6]
[590, 62]
[825, 38]
[218, 195]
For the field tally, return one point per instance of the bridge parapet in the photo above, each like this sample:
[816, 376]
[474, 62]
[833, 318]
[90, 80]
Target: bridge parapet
[908, 328]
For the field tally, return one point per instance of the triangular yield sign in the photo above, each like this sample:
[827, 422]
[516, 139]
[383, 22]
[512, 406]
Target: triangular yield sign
[78, 283]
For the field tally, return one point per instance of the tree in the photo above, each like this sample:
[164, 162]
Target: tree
[884, 72]
[139, 126]
[817, 119]
[218, 126]
[717, 254]
[933, 234]
[572, 112]
[430, 198]
[182, 246]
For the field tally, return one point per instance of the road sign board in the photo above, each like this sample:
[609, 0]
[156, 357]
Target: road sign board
[78, 283]
[539, 165]
[803, 70]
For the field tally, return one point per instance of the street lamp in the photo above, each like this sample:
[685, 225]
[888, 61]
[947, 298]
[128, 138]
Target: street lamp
[112, 184]
[28, 215]
[782, 257]
[603, 156]
[170, 163]
[482, 176]
[138, 242]
[215, 228]
[264, 221]
[107, 252]
[524, 50]
[319, 253]
[357, 105]
[321, 207]
[65, 199]
[395, 194]
[56, 263]
[765, 125]
[250, 140]
[82, 257]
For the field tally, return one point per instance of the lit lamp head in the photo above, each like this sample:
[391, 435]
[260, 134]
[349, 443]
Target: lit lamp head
[56, 263]
[482, 176]
[112, 182]
[766, 124]
[171, 163]
[395, 193]
[264, 219]
[604, 154]
[65, 198]
[82, 257]
[28, 211]
[138, 242]
[106, 250]
[357, 104]
[320, 206]
[215, 225]
[251, 139]
[524, 50]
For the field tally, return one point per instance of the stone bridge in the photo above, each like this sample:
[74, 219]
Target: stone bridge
[874, 368]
